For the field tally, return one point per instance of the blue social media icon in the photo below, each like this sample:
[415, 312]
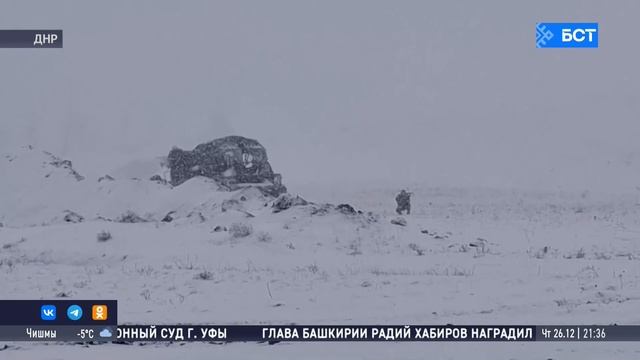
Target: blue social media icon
[48, 312]
[74, 312]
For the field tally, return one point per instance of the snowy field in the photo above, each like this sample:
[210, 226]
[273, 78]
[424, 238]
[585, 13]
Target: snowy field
[465, 256]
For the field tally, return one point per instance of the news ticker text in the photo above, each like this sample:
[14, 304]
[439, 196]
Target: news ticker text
[319, 333]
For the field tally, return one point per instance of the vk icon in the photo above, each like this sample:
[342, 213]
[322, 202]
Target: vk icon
[48, 312]
[74, 312]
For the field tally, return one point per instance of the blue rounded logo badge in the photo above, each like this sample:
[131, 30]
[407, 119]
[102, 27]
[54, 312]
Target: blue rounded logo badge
[74, 312]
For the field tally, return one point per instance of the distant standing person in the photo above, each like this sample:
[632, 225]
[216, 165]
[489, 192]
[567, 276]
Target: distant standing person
[404, 202]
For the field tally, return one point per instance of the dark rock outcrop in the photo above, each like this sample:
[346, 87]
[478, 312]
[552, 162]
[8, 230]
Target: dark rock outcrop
[285, 201]
[72, 217]
[158, 179]
[231, 160]
[346, 209]
[130, 217]
[64, 164]
[169, 217]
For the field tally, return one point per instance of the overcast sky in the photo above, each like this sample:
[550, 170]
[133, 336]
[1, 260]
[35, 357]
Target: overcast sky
[372, 93]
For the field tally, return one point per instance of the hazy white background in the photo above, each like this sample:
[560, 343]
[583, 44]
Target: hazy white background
[373, 93]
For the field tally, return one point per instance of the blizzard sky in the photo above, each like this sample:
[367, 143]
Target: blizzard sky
[369, 93]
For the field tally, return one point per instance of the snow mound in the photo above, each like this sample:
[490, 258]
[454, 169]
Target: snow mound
[142, 169]
[43, 189]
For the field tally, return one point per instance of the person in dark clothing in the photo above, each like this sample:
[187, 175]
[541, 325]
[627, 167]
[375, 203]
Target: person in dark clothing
[404, 202]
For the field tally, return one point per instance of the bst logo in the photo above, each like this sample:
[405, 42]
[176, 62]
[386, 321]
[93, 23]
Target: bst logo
[567, 35]
[578, 35]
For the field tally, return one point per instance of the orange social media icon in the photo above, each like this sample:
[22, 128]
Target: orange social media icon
[99, 312]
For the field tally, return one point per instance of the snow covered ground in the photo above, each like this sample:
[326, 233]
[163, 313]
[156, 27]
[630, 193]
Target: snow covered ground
[466, 256]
